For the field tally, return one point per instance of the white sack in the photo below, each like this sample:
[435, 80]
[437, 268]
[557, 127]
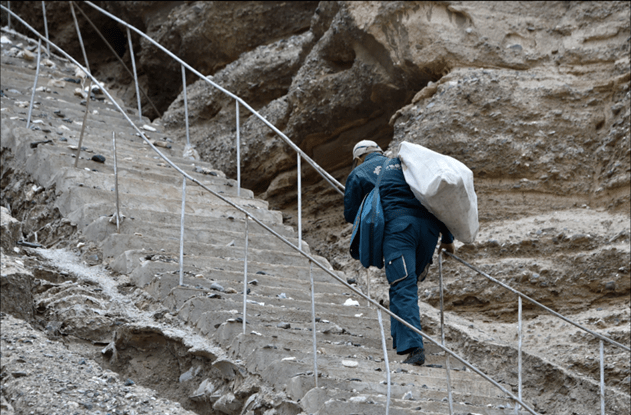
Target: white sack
[444, 186]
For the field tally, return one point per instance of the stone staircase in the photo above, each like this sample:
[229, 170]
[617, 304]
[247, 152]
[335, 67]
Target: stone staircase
[350, 359]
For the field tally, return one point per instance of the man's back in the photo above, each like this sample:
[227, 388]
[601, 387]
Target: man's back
[397, 198]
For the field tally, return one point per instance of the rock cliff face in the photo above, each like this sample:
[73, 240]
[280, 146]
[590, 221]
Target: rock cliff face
[541, 84]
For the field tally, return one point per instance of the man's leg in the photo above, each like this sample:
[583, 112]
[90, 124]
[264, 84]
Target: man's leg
[399, 249]
[404, 303]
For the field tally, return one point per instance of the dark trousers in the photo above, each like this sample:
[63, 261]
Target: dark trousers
[408, 247]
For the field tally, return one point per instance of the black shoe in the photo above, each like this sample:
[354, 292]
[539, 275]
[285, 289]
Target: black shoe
[416, 357]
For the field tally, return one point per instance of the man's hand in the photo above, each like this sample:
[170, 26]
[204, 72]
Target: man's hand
[451, 248]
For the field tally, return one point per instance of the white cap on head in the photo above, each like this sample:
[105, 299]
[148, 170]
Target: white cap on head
[365, 147]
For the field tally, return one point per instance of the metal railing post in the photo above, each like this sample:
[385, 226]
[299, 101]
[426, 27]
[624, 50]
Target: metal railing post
[84, 124]
[76, 23]
[245, 274]
[602, 378]
[118, 214]
[367, 286]
[313, 324]
[519, 336]
[9, 15]
[45, 27]
[182, 231]
[385, 358]
[442, 331]
[188, 139]
[299, 176]
[30, 105]
[238, 153]
[133, 65]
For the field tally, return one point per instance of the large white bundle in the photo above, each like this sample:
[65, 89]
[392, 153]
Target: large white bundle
[444, 186]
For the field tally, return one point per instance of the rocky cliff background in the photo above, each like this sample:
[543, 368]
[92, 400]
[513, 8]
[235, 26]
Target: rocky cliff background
[532, 96]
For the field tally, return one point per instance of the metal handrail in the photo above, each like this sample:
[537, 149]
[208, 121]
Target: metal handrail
[273, 232]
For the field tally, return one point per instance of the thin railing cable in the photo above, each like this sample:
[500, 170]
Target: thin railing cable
[118, 212]
[30, 105]
[245, 273]
[182, 231]
[385, 358]
[98, 32]
[442, 331]
[602, 378]
[133, 66]
[567, 320]
[519, 344]
[330, 179]
[188, 137]
[238, 151]
[313, 324]
[45, 27]
[76, 23]
[277, 235]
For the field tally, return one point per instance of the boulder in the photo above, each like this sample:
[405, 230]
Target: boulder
[16, 283]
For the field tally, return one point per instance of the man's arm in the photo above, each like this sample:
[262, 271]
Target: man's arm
[353, 196]
[447, 239]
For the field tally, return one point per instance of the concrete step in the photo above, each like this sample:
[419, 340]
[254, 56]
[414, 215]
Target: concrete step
[76, 197]
[90, 213]
[302, 387]
[102, 228]
[259, 355]
[267, 288]
[44, 161]
[117, 244]
[53, 164]
[206, 314]
[333, 406]
[218, 269]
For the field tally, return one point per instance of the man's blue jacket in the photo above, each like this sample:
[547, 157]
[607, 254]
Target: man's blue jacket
[397, 198]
